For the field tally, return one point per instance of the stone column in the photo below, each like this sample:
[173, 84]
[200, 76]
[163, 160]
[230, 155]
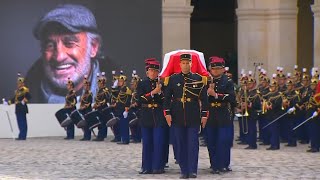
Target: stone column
[252, 35]
[176, 24]
[267, 33]
[282, 34]
[316, 40]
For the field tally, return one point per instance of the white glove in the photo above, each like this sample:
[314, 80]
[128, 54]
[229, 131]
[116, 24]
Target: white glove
[115, 84]
[4, 102]
[315, 114]
[125, 114]
[23, 103]
[291, 110]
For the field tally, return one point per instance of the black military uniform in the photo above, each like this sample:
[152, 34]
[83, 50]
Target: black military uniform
[313, 125]
[134, 110]
[101, 102]
[20, 99]
[182, 95]
[253, 109]
[153, 123]
[121, 109]
[85, 107]
[264, 134]
[220, 122]
[274, 102]
[70, 105]
[292, 98]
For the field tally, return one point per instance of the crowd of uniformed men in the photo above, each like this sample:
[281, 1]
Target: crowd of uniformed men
[178, 109]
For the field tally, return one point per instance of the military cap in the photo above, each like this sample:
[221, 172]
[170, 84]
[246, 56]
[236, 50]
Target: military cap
[70, 82]
[314, 81]
[216, 62]
[153, 65]
[274, 81]
[185, 57]
[20, 78]
[86, 81]
[122, 76]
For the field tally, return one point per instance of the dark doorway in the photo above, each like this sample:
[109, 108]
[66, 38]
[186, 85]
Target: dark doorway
[214, 30]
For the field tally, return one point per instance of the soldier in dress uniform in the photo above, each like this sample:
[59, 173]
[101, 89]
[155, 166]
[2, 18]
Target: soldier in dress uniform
[102, 100]
[291, 98]
[274, 107]
[85, 107]
[134, 109]
[253, 106]
[20, 99]
[182, 110]
[220, 122]
[281, 80]
[313, 124]
[240, 98]
[264, 91]
[304, 89]
[121, 109]
[150, 99]
[70, 105]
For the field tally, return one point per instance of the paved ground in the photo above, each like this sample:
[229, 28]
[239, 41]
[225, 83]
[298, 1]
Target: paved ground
[55, 158]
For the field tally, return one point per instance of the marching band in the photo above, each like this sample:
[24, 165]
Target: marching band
[281, 110]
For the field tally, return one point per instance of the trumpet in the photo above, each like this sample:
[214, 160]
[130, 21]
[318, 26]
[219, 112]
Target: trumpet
[244, 118]
[264, 106]
[246, 114]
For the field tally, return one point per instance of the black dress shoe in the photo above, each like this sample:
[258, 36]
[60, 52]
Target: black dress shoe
[193, 175]
[145, 172]
[264, 144]
[176, 162]
[83, 139]
[123, 143]
[215, 171]
[166, 165]
[227, 169]
[273, 148]
[115, 140]
[291, 145]
[304, 142]
[68, 138]
[183, 176]
[242, 143]
[250, 147]
[19, 139]
[161, 171]
[312, 150]
[98, 139]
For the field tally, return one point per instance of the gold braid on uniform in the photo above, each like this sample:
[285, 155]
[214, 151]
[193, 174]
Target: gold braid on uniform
[84, 102]
[123, 96]
[70, 103]
[20, 93]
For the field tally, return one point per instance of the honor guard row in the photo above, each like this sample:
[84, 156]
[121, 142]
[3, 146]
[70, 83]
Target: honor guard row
[285, 108]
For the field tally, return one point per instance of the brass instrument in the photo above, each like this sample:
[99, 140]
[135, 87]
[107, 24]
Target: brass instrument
[244, 118]
[265, 103]
[246, 114]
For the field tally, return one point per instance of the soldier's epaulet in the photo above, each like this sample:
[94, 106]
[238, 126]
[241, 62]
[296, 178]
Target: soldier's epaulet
[166, 81]
[25, 89]
[229, 79]
[106, 89]
[204, 80]
[128, 91]
[258, 92]
[297, 92]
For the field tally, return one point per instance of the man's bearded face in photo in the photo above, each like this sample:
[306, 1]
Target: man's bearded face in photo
[67, 55]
